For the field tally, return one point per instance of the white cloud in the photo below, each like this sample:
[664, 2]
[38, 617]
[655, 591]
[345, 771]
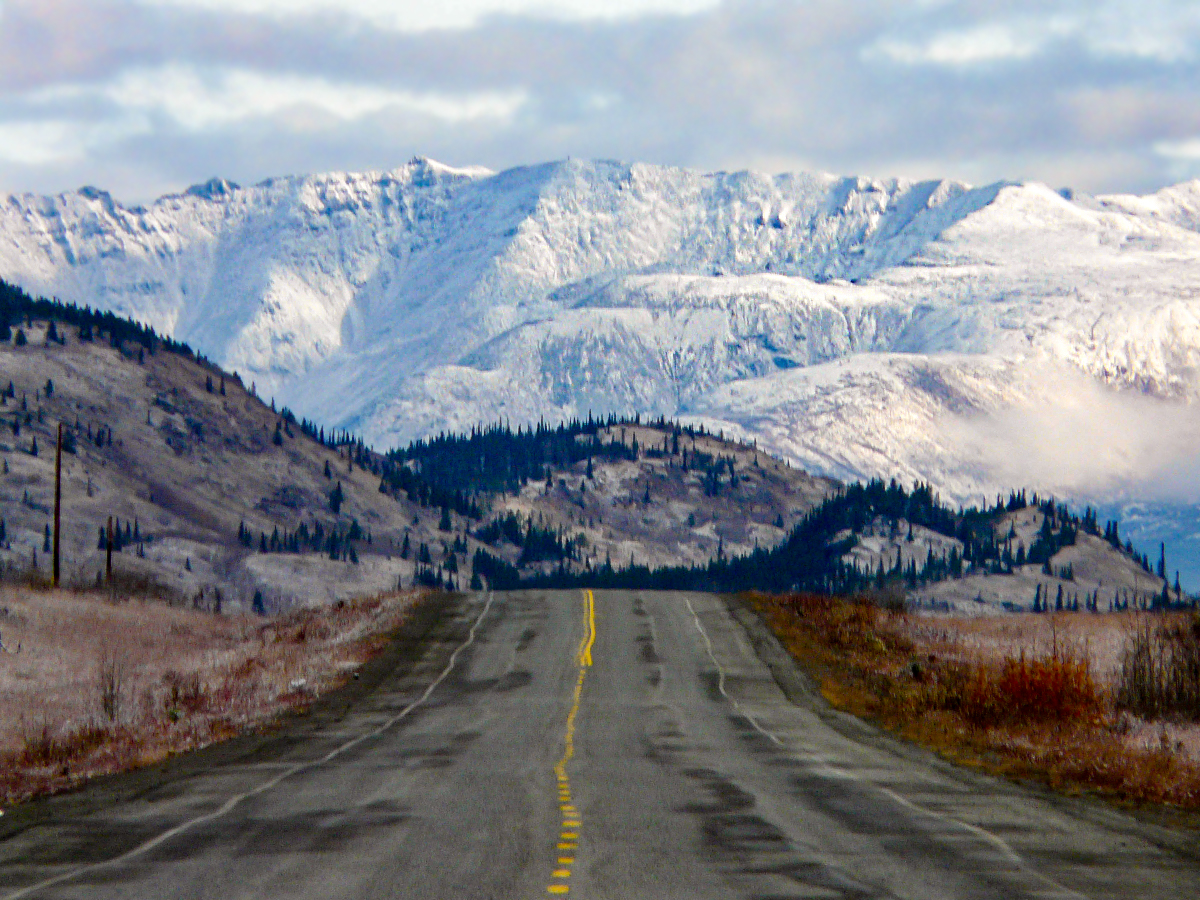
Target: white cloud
[200, 99]
[411, 15]
[1079, 438]
[1183, 151]
[1158, 30]
[45, 142]
[982, 44]
[138, 101]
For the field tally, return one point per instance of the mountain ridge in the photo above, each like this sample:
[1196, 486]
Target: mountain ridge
[855, 326]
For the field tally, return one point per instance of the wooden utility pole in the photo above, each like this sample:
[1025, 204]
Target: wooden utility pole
[57, 503]
[108, 545]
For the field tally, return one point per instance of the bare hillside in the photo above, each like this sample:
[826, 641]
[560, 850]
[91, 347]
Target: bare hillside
[217, 497]
[188, 463]
[681, 502]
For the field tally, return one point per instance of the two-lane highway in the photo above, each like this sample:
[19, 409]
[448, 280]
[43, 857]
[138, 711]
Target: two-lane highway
[607, 745]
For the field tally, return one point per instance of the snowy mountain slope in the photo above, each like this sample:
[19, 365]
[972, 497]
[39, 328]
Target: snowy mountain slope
[277, 278]
[858, 326]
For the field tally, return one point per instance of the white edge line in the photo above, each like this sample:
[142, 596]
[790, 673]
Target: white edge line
[232, 802]
[996, 841]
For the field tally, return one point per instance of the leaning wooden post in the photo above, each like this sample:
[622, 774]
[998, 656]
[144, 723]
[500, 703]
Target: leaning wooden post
[108, 546]
[57, 501]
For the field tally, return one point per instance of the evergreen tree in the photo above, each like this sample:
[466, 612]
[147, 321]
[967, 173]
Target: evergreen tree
[336, 498]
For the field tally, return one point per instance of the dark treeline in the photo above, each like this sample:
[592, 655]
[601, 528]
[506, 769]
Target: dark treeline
[455, 471]
[812, 556]
[336, 541]
[496, 458]
[537, 543]
[17, 308]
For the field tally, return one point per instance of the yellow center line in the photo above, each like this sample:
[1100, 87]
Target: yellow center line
[571, 817]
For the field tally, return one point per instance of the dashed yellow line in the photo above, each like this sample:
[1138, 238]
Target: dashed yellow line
[572, 820]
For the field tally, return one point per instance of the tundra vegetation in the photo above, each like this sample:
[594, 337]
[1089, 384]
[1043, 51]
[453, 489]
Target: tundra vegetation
[1100, 703]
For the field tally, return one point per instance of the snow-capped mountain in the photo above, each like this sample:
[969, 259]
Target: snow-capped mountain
[974, 337]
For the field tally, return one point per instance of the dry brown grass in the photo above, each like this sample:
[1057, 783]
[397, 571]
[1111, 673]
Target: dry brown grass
[101, 686]
[1016, 695]
[1160, 669]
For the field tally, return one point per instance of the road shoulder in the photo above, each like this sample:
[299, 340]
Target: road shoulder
[1168, 828]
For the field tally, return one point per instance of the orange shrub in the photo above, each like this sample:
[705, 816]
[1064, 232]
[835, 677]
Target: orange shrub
[1056, 688]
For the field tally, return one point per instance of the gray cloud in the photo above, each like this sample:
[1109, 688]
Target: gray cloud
[148, 98]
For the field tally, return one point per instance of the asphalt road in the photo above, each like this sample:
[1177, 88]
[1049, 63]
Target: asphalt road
[622, 746]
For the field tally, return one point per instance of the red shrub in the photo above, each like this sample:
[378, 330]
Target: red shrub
[1056, 688]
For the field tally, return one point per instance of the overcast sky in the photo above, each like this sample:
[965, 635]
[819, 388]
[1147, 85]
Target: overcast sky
[147, 96]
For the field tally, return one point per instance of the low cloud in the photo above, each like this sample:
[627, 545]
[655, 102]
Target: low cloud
[1078, 438]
